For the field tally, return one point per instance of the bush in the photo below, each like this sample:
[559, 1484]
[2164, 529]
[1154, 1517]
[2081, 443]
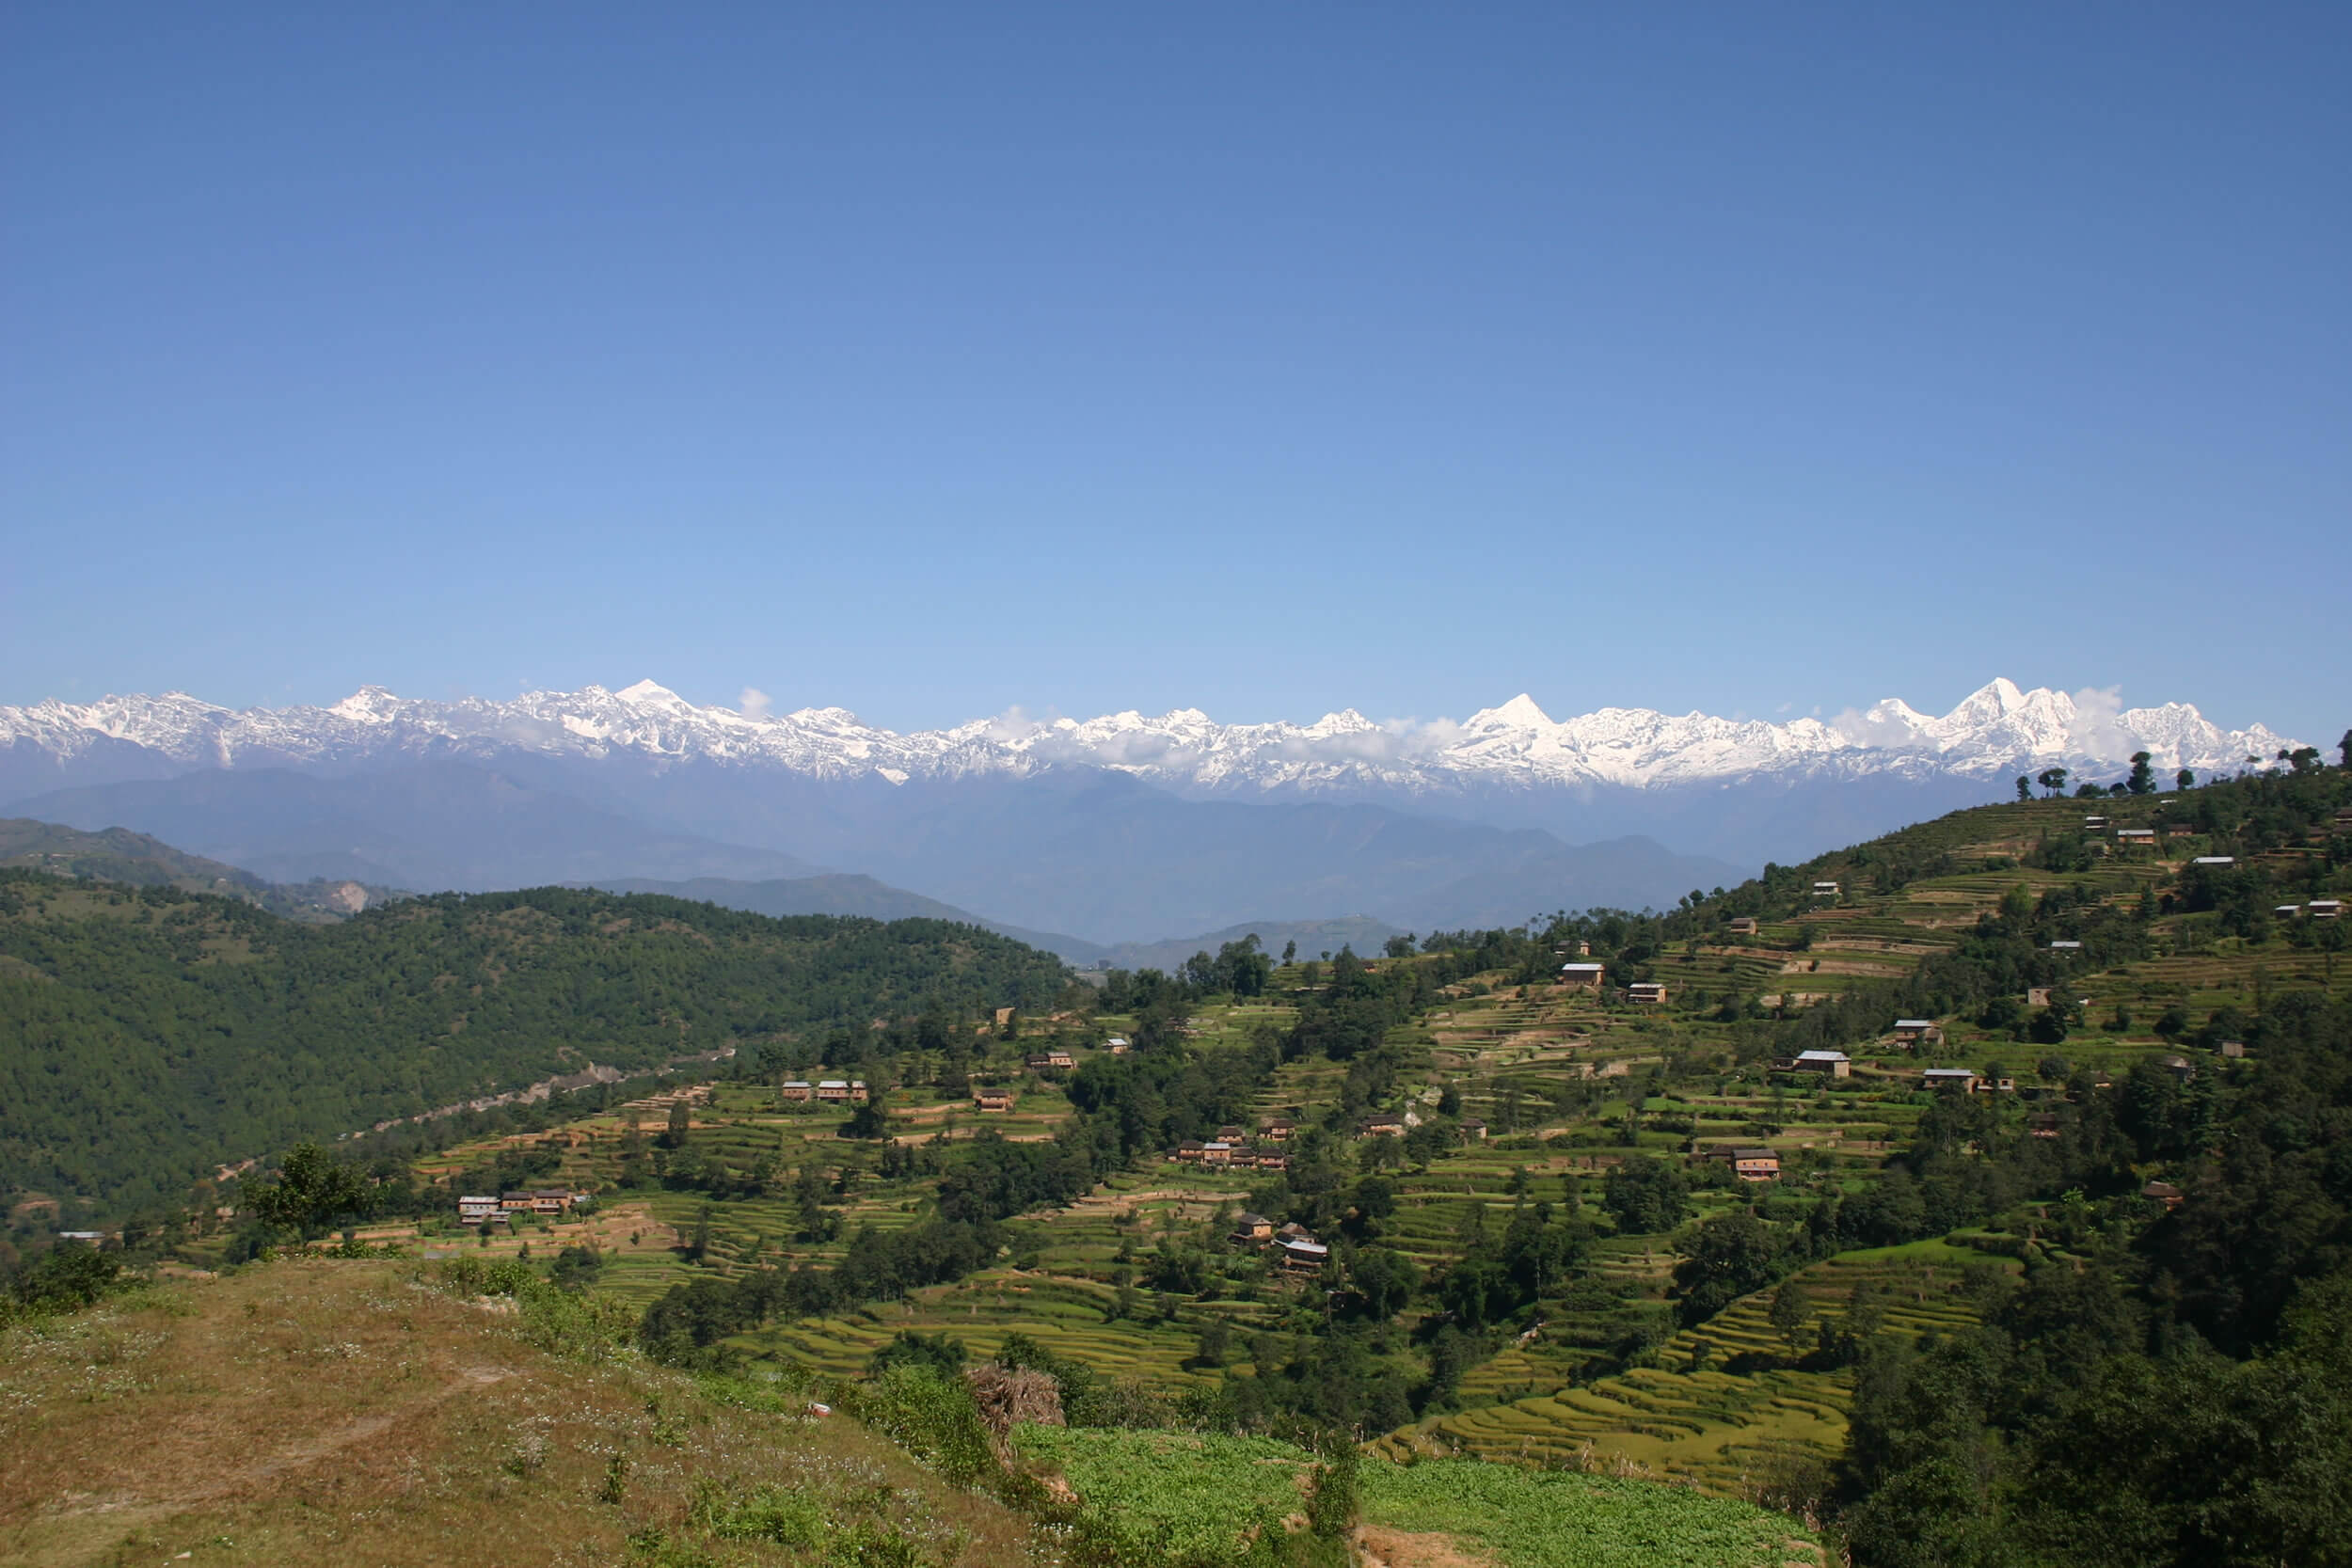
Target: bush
[66, 1278]
[932, 1417]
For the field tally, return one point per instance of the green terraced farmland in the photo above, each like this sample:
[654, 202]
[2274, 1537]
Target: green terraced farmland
[1687, 1417]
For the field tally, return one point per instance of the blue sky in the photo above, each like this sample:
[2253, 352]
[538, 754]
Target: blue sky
[1263, 360]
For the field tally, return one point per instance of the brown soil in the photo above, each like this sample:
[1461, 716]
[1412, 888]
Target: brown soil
[1382, 1547]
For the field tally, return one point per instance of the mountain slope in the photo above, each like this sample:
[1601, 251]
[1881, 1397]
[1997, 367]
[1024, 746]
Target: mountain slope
[1113, 859]
[428, 825]
[838, 893]
[120, 855]
[150, 1035]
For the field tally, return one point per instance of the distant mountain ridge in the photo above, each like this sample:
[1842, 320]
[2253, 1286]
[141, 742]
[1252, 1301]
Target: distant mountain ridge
[1120, 829]
[815, 781]
[135, 860]
[1996, 728]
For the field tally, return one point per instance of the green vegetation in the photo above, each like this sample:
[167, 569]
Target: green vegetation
[154, 1033]
[1896, 1318]
[1563, 1519]
[135, 860]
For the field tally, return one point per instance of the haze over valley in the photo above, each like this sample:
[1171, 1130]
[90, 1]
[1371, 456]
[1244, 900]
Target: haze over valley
[1120, 829]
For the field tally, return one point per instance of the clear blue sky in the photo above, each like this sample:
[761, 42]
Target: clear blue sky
[1261, 358]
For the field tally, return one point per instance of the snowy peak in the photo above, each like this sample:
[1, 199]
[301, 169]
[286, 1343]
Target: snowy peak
[1996, 730]
[1519, 713]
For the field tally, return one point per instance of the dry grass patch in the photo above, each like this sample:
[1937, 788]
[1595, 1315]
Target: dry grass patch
[334, 1412]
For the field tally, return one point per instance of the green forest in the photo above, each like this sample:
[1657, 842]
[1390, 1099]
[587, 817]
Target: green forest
[153, 1035]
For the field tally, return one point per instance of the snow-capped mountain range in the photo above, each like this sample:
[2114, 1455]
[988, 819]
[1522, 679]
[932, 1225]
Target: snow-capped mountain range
[1116, 828]
[1997, 730]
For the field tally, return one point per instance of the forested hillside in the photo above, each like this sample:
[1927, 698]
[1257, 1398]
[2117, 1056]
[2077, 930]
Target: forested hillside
[120, 855]
[147, 1034]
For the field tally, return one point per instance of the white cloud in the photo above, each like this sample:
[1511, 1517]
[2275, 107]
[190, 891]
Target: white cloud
[2094, 731]
[1014, 723]
[755, 702]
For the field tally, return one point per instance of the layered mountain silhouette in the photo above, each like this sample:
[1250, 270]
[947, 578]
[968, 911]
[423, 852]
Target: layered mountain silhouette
[1119, 829]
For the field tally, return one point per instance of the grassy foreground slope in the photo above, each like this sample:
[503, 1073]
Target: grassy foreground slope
[345, 1411]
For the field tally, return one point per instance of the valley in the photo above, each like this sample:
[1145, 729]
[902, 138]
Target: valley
[1683, 1198]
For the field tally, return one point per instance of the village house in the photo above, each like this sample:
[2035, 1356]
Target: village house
[2066, 947]
[1583, 976]
[1305, 1257]
[842, 1091]
[1271, 1157]
[992, 1099]
[2135, 835]
[2164, 1192]
[2325, 908]
[2286, 911]
[516, 1203]
[1051, 1061]
[1380, 1124]
[1117, 1045]
[2043, 1124]
[798, 1090]
[1743, 926]
[475, 1210]
[2233, 1050]
[551, 1200]
[1280, 1129]
[1834, 1063]
[1003, 1016]
[1949, 1078]
[1231, 1134]
[1993, 1086]
[2180, 1068]
[1252, 1228]
[2039, 996]
[2094, 822]
[1756, 1164]
[1825, 890]
[1188, 1152]
[2215, 860]
[1217, 1151]
[1916, 1032]
[1474, 1128]
[1650, 993]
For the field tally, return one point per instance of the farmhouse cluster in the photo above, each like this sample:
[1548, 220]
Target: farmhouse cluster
[503, 1209]
[1234, 1148]
[1293, 1246]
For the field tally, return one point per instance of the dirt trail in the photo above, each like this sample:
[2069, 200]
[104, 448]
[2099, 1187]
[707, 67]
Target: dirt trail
[327, 1444]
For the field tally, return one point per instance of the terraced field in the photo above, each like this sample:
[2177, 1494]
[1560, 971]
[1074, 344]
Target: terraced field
[1690, 1416]
[1568, 1084]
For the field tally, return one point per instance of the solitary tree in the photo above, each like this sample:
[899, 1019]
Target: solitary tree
[2024, 789]
[1789, 1313]
[2143, 778]
[312, 1191]
[2184, 779]
[2343, 749]
[2053, 782]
